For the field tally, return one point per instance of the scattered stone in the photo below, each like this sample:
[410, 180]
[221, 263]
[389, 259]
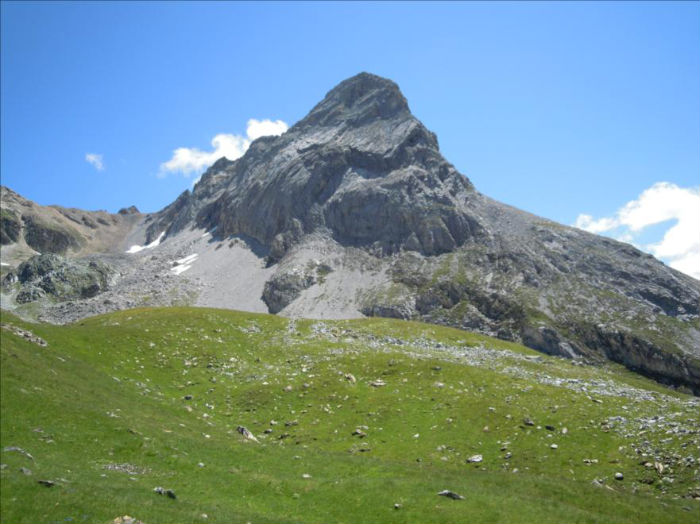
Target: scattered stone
[397, 506]
[554, 446]
[126, 519]
[359, 433]
[306, 476]
[25, 471]
[619, 476]
[528, 421]
[450, 494]
[288, 388]
[508, 455]
[47, 483]
[247, 434]
[200, 464]
[268, 431]
[475, 459]
[188, 397]
[291, 423]
[130, 469]
[549, 427]
[564, 431]
[167, 492]
[350, 378]
[18, 450]
[27, 335]
[377, 383]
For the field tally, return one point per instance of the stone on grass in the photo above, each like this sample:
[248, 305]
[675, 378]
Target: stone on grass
[475, 458]
[450, 494]
[619, 476]
[247, 434]
[126, 519]
[18, 450]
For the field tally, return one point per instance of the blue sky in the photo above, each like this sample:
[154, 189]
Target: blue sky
[561, 109]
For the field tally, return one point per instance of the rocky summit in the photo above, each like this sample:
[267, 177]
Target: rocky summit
[354, 212]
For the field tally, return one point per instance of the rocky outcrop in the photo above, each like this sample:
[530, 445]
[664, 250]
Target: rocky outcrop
[283, 288]
[58, 278]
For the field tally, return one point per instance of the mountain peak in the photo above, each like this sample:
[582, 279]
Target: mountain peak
[360, 98]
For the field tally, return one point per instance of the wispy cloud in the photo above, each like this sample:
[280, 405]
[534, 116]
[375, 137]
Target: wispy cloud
[190, 160]
[662, 202]
[95, 161]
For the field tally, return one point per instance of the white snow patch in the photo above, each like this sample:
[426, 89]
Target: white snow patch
[184, 264]
[179, 269]
[209, 232]
[4, 264]
[188, 259]
[136, 248]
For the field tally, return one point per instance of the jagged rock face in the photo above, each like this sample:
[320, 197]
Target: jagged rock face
[359, 165]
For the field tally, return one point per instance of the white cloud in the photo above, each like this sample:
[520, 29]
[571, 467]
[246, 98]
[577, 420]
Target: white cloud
[258, 128]
[662, 202]
[189, 161]
[95, 160]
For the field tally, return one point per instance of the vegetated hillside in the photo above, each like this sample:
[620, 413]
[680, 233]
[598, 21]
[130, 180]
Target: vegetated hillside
[357, 421]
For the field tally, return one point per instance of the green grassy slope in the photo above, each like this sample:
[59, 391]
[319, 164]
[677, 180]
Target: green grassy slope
[102, 411]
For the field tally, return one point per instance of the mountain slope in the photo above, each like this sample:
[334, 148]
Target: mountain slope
[354, 212]
[352, 417]
[27, 228]
[361, 171]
